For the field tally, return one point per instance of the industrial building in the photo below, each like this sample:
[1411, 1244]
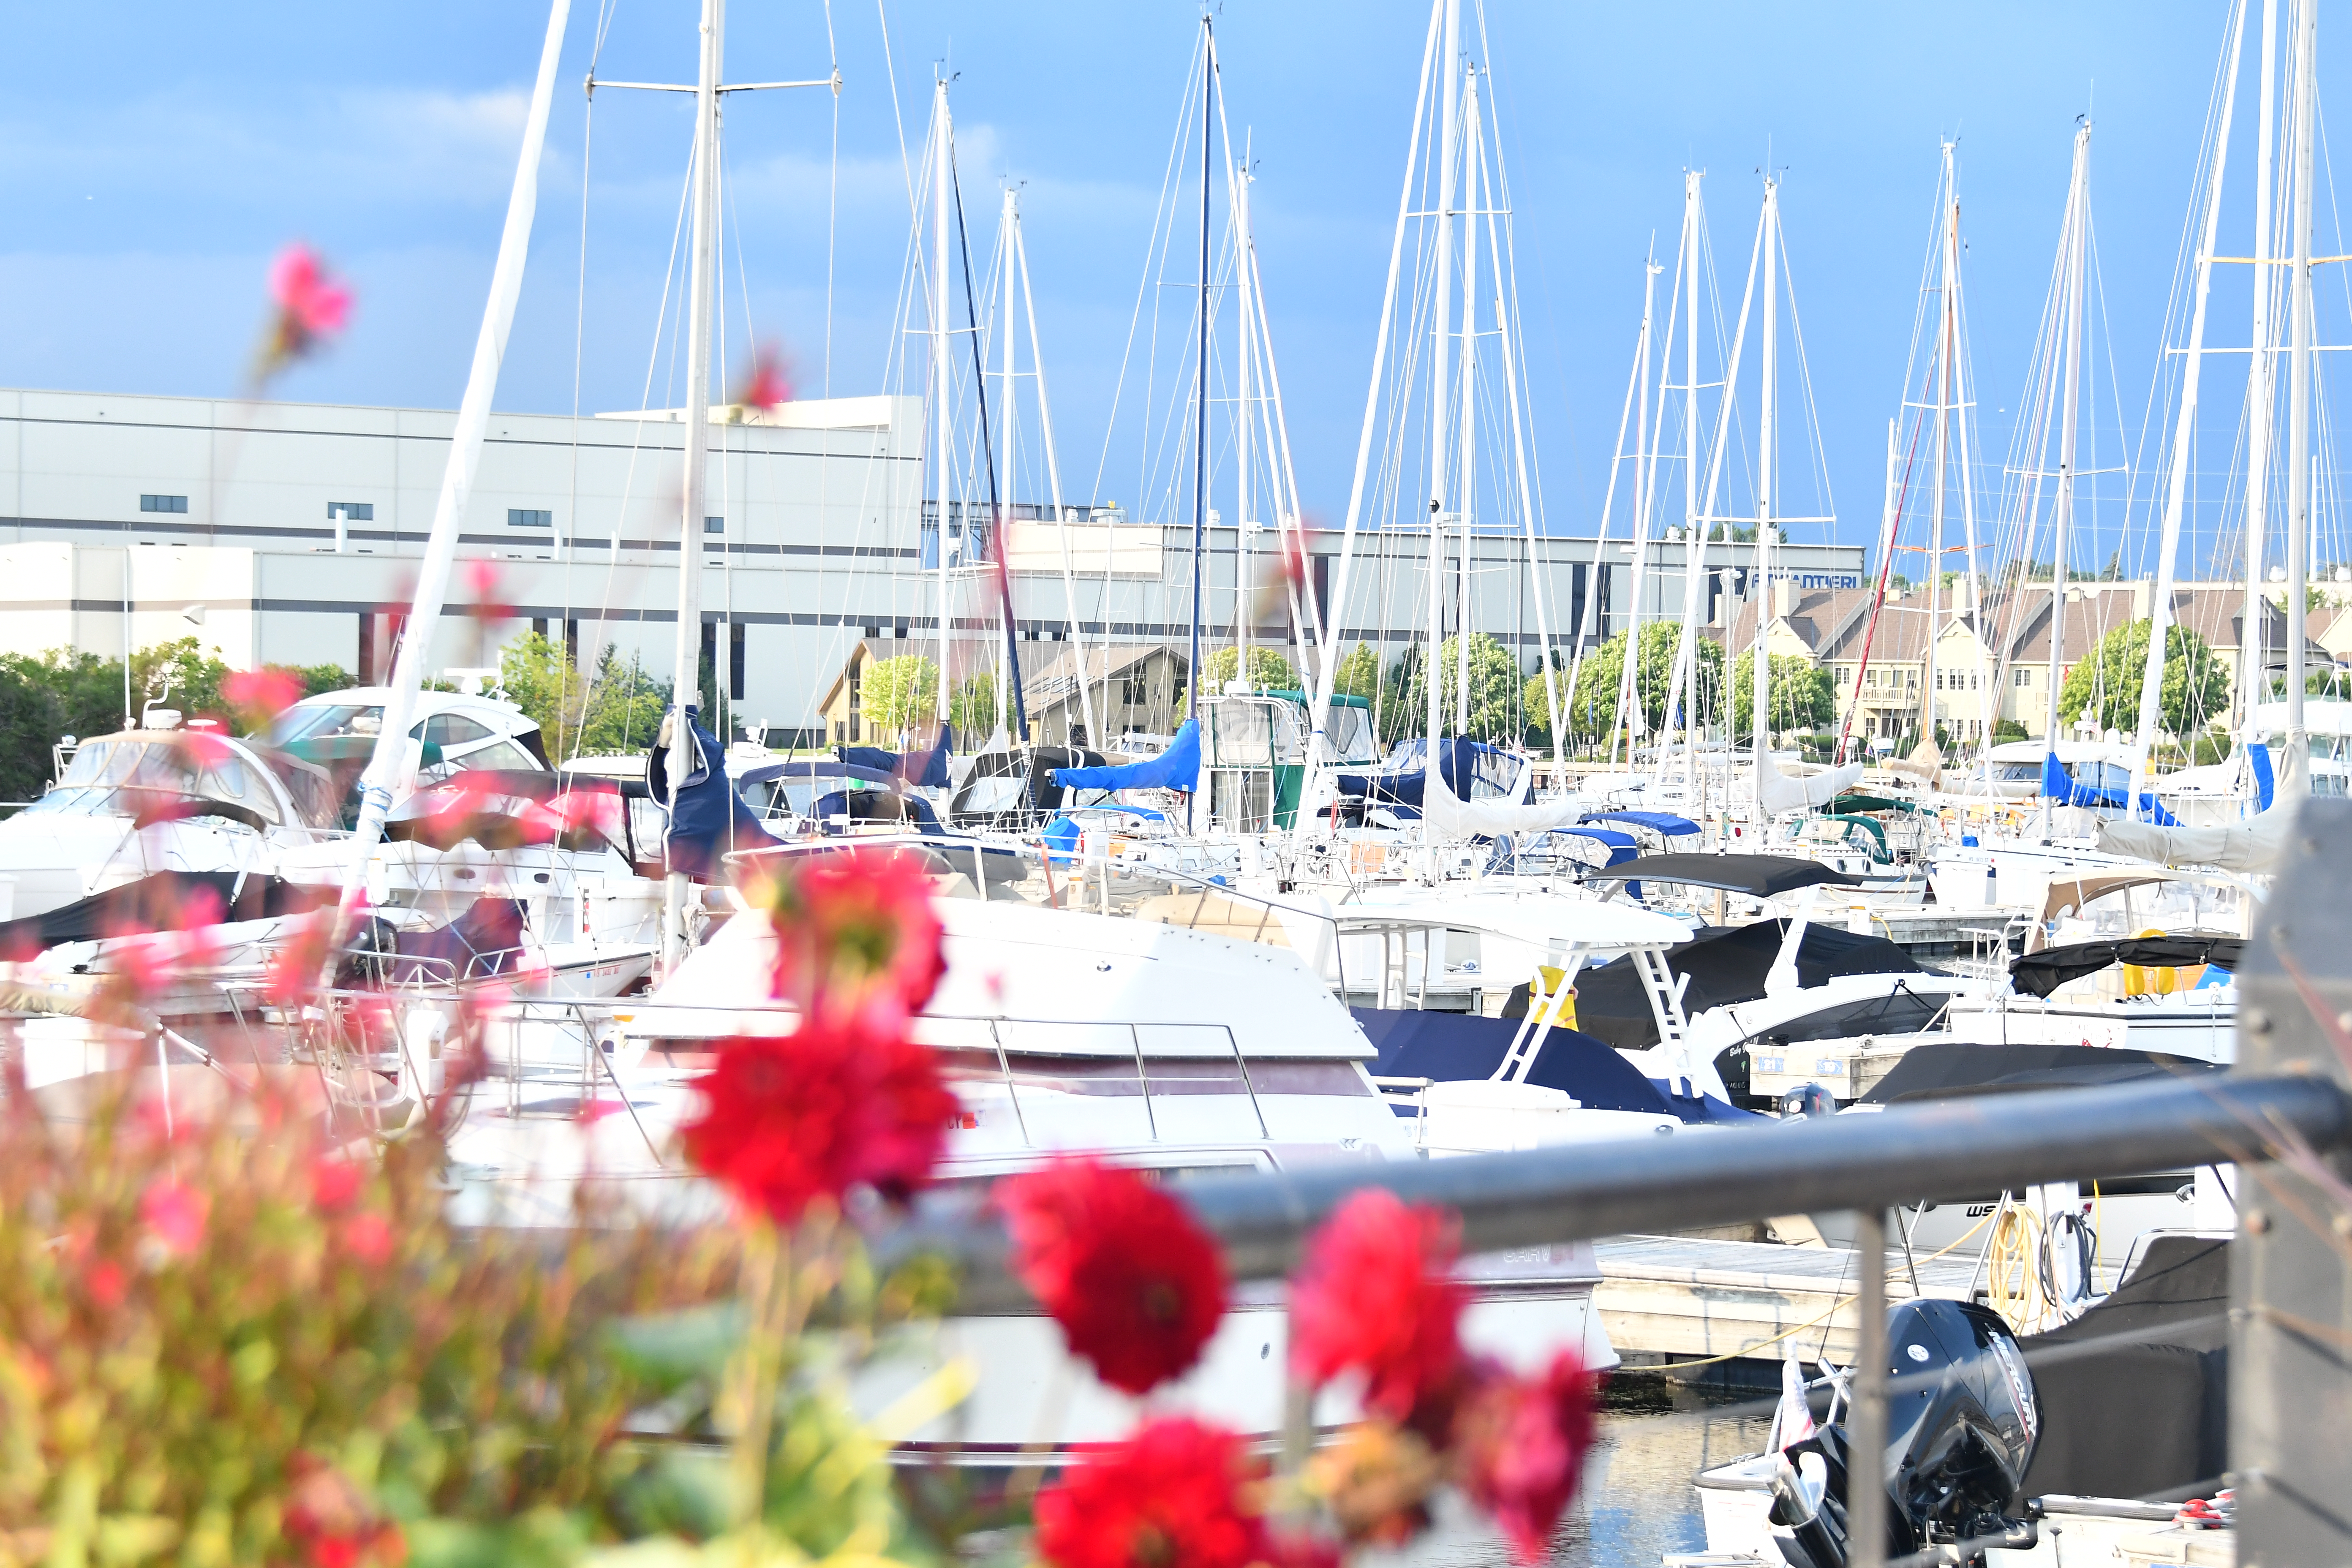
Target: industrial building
[289, 534]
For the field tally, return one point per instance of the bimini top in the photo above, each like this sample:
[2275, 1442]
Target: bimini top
[926, 770]
[766, 773]
[2040, 973]
[1758, 875]
[1664, 824]
[1941, 1069]
[1726, 964]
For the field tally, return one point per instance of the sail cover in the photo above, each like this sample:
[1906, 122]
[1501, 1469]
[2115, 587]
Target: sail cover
[2258, 843]
[1178, 768]
[1450, 816]
[1776, 791]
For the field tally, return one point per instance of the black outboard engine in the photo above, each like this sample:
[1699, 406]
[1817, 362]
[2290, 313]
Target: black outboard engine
[1961, 1423]
[1807, 1099]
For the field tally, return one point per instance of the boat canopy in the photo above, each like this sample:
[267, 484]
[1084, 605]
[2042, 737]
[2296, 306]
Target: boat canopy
[2040, 973]
[1455, 1048]
[866, 772]
[508, 808]
[1726, 964]
[1665, 824]
[160, 900]
[2064, 788]
[1464, 766]
[1942, 1069]
[1177, 768]
[1758, 875]
[1855, 800]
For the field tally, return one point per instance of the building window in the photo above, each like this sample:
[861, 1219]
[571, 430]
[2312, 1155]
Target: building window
[352, 511]
[714, 525]
[527, 517]
[2024, 677]
[735, 661]
[162, 503]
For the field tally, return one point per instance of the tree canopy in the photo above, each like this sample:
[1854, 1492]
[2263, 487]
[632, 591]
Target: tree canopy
[1802, 694]
[1593, 707]
[896, 695]
[2107, 685]
[1494, 708]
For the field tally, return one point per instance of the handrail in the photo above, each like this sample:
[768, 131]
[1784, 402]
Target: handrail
[1576, 1192]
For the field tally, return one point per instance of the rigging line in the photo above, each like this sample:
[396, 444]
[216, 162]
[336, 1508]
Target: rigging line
[1143, 285]
[831, 224]
[1885, 562]
[987, 449]
[636, 447]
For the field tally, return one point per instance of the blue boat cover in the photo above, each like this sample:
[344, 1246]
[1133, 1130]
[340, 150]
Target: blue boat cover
[1664, 822]
[2260, 758]
[1453, 1048]
[1622, 846]
[766, 773]
[2064, 788]
[1461, 761]
[712, 820]
[924, 770]
[1178, 768]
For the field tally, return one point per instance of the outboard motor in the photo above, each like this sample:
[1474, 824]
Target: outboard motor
[1961, 1425]
[1807, 1099]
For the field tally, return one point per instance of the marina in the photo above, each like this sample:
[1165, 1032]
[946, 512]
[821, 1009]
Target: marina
[758, 972]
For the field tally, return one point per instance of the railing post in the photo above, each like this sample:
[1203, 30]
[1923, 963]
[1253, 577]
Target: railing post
[2289, 1290]
[1865, 1475]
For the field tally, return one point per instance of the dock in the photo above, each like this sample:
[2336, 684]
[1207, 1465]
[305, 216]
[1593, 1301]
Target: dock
[1682, 1299]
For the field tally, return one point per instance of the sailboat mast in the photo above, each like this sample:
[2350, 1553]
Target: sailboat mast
[1244, 450]
[1768, 435]
[1465, 475]
[1007, 405]
[2254, 656]
[701, 262]
[1201, 398]
[1644, 474]
[1933, 672]
[1988, 696]
[1677, 695]
[940, 131]
[2151, 686]
[2078, 195]
[2299, 387]
[1441, 325]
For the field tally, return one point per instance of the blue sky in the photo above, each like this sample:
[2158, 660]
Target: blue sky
[154, 157]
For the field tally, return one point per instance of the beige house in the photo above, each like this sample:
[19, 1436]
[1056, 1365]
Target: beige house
[1880, 670]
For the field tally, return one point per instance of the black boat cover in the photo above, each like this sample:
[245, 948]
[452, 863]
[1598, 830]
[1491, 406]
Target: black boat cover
[1950, 1070]
[1758, 875]
[2134, 1393]
[2040, 973]
[164, 901]
[1725, 963]
[1452, 1048]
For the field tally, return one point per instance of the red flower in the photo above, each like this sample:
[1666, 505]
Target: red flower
[1376, 1298]
[295, 965]
[1136, 1285]
[1177, 1494]
[1521, 1443]
[482, 576]
[334, 1184]
[175, 1212]
[257, 696]
[785, 1121]
[106, 1283]
[855, 932]
[309, 307]
[335, 1524]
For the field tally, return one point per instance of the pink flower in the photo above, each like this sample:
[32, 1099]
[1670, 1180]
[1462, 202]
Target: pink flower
[1521, 1447]
[314, 302]
[334, 1184]
[175, 1212]
[307, 307]
[257, 696]
[771, 380]
[367, 1237]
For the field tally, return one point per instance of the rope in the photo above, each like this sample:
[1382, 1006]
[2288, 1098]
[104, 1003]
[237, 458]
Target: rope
[1834, 1308]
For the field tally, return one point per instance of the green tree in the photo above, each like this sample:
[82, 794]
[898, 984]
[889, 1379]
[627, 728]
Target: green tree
[538, 676]
[179, 675]
[897, 694]
[1359, 674]
[2107, 685]
[971, 708]
[1594, 708]
[1268, 672]
[623, 707]
[1494, 691]
[1803, 694]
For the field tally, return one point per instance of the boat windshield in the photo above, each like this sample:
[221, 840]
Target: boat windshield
[305, 723]
[121, 775]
